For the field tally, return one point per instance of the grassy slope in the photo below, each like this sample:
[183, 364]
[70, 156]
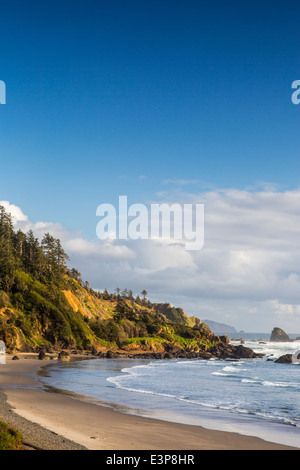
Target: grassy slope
[74, 317]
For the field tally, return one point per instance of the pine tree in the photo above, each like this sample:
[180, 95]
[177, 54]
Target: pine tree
[144, 293]
[7, 251]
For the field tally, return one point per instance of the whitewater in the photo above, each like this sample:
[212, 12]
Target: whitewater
[251, 396]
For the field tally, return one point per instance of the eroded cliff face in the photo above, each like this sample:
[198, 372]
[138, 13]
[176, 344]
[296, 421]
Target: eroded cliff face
[78, 318]
[177, 315]
[14, 340]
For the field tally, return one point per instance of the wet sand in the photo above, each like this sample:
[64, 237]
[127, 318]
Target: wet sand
[57, 421]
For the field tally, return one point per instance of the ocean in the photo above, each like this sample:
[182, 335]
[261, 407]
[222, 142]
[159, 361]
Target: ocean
[251, 396]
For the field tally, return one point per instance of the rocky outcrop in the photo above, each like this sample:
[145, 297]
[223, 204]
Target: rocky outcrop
[285, 359]
[177, 315]
[233, 352]
[64, 356]
[279, 336]
[14, 340]
[223, 350]
[42, 356]
[112, 354]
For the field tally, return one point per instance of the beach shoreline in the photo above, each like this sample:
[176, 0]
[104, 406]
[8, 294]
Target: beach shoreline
[50, 420]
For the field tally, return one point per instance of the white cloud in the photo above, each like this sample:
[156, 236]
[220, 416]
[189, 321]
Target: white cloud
[15, 211]
[102, 251]
[248, 272]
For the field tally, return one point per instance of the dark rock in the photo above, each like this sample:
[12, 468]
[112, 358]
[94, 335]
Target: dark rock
[242, 352]
[235, 352]
[224, 339]
[205, 355]
[15, 358]
[111, 354]
[158, 356]
[173, 349]
[278, 335]
[64, 353]
[168, 356]
[42, 355]
[285, 359]
[64, 356]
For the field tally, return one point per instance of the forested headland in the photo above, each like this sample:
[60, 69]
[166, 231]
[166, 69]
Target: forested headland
[45, 305]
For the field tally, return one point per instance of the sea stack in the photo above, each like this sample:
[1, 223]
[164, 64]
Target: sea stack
[279, 336]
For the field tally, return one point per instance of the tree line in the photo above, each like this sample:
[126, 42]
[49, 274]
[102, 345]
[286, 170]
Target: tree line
[45, 260]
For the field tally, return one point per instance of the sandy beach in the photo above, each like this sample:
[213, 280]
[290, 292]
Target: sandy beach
[60, 422]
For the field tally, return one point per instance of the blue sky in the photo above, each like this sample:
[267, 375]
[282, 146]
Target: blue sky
[144, 99]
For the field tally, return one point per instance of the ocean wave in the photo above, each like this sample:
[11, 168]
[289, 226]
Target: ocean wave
[141, 390]
[192, 362]
[221, 374]
[268, 383]
[184, 399]
[156, 380]
[270, 348]
[229, 369]
[233, 369]
[130, 370]
[250, 381]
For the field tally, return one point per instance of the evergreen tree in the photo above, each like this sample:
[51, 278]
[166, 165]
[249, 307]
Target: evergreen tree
[144, 293]
[7, 251]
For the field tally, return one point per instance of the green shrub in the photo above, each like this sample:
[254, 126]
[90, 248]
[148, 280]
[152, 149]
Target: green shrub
[10, 439]
[4, 299]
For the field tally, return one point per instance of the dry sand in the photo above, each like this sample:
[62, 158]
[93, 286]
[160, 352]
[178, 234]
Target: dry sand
[56, 421]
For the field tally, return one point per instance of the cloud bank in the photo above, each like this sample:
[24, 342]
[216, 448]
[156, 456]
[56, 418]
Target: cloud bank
[247, 274]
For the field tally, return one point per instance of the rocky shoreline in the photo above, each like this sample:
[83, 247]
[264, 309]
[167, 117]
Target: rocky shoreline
[223, 350]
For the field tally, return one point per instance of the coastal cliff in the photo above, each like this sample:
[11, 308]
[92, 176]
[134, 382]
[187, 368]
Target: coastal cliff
[45, 306]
